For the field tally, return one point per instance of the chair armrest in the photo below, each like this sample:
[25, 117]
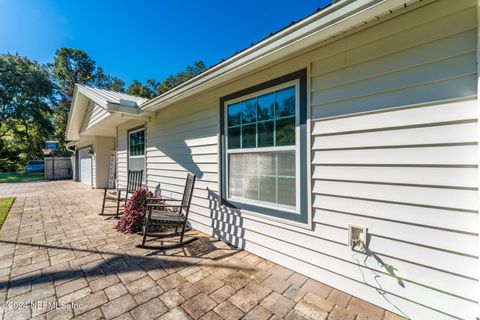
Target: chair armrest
[163, 199]
[158, 205]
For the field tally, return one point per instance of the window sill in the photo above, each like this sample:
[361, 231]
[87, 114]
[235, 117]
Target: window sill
[253, 214]
[278, 222]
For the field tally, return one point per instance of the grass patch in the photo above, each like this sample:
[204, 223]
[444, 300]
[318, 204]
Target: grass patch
[5, 205]
[20, 176]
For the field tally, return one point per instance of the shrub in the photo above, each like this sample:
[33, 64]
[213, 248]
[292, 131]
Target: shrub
[133, 213]
[7, 165]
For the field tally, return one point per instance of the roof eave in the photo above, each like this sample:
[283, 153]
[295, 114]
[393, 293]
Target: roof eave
[116, 107]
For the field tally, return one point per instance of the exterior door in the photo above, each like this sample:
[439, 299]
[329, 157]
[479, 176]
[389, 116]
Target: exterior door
[85, 163]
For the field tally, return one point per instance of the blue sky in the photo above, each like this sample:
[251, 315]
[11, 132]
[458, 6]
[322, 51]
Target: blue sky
[143, 39]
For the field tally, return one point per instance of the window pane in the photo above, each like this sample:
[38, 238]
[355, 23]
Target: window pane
[235, 182]
[249, 111]
[285, 102]
[267, 164]
[235, 186]
[250, 164]
[250, 176]
[268, 191]
[250, 187]
[266, 104]
[265, 134]
[286, 191]
[285, 132]
[234, 114]
[132, 139]
[234, 138]
[286, 164]
[249, 136]
[267, 176]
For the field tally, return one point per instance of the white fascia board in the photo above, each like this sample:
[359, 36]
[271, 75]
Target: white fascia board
[70, 113]
[146, 116]
[338, 18]
[115, 107]
[101, 102]
[129, 112]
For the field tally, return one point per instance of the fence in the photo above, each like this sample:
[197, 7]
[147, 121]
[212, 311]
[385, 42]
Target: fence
[61, 167]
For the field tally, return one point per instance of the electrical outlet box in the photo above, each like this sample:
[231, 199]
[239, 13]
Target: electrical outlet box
[357, 238]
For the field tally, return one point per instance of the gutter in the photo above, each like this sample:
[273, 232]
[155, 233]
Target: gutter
[333, 20]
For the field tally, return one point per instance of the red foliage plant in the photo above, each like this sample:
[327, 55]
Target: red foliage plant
[133, 213]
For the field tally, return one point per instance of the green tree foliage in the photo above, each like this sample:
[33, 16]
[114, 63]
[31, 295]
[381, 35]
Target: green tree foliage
[26, 106]
[73, 66]
[108, 82]
[153, 88]
[136, 88]
[70, 66]
[35, 99]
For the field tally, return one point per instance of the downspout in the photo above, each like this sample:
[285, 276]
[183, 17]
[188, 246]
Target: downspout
[478, 146]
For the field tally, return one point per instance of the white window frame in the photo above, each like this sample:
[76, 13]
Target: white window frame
[144, 151]
[296, 147]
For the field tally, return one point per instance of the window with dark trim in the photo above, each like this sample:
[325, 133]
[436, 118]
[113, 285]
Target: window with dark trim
[136, 149]
[263, 132]
[136, 142]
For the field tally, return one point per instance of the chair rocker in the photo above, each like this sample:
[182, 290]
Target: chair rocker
[160, 213]
[134, 182]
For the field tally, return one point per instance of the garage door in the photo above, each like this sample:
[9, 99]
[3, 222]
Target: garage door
[85, 160]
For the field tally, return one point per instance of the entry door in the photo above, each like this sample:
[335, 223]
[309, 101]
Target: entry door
[85, 166]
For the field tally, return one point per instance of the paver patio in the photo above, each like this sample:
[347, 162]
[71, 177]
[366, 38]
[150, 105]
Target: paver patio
[57, 253]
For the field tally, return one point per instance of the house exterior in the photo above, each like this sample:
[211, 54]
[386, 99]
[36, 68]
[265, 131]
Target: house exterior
[92, 132]
[363, 114]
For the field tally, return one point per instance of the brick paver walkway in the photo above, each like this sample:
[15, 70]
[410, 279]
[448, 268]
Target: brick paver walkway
[57, 254]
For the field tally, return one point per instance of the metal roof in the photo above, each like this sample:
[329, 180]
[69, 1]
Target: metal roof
[104, 97]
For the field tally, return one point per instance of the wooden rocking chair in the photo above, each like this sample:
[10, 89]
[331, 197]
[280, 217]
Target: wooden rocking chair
[159, 215]
[134, 182]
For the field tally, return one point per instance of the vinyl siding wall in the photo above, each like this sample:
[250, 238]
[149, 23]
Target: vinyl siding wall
[94, 115]
[393, 122]
[103, 148]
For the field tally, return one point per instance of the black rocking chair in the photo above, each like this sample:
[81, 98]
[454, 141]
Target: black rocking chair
[134, 182]
[159, 215]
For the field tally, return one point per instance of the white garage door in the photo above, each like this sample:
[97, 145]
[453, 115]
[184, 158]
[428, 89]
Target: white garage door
[85, 160]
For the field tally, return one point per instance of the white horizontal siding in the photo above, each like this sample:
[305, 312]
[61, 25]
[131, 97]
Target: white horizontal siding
[394, 148]
[103, 149]
[94, 115]
[387, 156]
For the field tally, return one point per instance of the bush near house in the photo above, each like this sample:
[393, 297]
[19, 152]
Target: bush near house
[5, 205]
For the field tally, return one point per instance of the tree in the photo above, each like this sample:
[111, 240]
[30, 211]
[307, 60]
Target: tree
[108, 82]
[26, 106]
[136, 88]
[174, 80]
[153, 88]
[70, 66]
[73, 66]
